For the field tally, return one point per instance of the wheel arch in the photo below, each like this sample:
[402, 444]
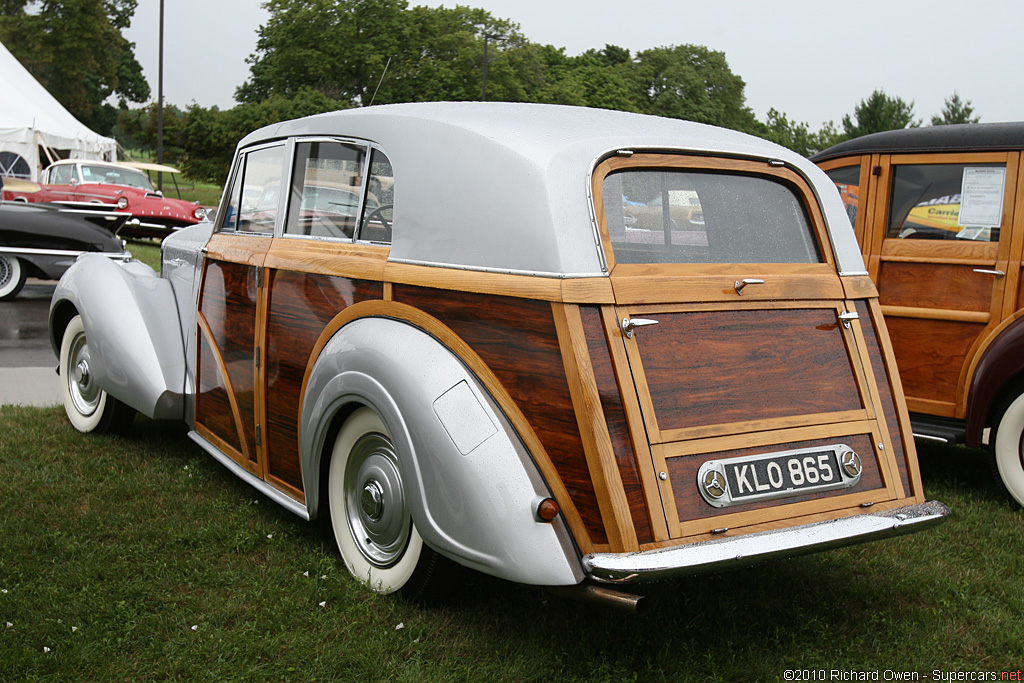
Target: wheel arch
[997, 375]
[473, 486]
[130, 316]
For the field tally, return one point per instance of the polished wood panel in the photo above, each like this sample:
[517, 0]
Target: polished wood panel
[214, 410]
[716, 367]
[517, 341]
[228, 305]
[299, 307]
[930, 358]
[618, 426]
[951, 287]
[690, 505]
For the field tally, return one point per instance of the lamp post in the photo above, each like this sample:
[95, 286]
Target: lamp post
[487, 37]
[160, 104]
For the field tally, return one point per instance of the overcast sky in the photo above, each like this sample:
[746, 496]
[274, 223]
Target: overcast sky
[811, 60]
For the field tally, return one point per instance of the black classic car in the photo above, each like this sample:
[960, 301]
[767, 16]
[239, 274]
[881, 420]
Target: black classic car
[43, 240]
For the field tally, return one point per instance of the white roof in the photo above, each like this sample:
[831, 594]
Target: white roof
[505, 186]
[30, 116]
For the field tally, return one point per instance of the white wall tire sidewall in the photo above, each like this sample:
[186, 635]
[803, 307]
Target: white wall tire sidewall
[16, 275]
[380, 580]
[80, 421]
[1008, 449]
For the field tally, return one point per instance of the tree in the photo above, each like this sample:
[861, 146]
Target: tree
[798, 136]
[955, 111]
[694, 83]
[75, 49]
[880, 112]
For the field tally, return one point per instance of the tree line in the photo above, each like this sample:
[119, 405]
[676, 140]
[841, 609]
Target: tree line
[321, 55]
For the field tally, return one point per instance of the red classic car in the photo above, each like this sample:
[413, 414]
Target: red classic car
[121, 187]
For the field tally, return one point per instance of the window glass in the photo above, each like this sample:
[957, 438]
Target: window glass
[682, 216]
[847, 180]
[115, 176]
[61, 175]
[380, 198]
[327, 185]
[230, 215]
[260, 190]
[947, 202]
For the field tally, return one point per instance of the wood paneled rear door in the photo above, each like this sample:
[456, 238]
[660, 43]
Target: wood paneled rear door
[943, 285]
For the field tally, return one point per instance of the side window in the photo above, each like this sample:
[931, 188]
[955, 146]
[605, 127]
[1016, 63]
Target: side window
[847, 180]
[380, 198]
[947, 202]
[259, 192]
[61, 175]
[326, 189]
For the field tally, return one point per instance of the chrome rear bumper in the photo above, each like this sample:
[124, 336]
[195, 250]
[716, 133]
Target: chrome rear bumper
[726, 553]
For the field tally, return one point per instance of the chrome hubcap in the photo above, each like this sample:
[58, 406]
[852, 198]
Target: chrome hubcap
[5, 271]
[85, 395]
[378, 515]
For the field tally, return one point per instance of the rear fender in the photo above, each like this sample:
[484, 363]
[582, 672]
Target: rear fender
[1000, 368]
[134, 334]
[472, 486]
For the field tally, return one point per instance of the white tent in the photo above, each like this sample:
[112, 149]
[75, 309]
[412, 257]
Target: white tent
[31, 119]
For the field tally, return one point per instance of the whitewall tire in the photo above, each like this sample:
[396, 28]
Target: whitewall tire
[370, 514]
[1008, 448]
[89, 408]
[12, 276]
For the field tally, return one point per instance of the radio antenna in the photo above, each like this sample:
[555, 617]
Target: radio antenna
[379, 82]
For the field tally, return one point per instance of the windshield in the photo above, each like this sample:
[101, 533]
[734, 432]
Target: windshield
[115, 175]
[685, 216]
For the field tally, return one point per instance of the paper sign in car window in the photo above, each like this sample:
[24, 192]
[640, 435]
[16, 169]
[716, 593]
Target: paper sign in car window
[981, 203]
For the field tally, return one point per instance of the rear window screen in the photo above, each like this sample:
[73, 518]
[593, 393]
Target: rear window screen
[682, 216]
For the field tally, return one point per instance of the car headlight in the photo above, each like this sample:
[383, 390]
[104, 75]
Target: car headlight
[122, 202]
[199, 213]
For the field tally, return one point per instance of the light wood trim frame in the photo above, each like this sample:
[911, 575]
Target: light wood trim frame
[327, 257]
[693, 162]
[476, 365]
[981, 317]
[249, 250]
[661, 508]
[597, 442]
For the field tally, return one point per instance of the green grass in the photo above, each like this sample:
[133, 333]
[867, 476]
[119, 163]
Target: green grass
[138, 558]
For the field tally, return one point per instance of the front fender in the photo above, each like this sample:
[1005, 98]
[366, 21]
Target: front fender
[473, 487]
[131, 322]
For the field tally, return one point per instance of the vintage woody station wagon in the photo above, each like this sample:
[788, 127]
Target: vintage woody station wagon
[939, 214]
[441, 328]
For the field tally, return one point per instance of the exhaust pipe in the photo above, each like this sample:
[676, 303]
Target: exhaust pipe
[606, 597]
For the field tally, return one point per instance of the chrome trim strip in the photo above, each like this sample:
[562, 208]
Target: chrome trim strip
[65, 252]
[484, 269]
[287, 502]
[852, 273]
[929, 437]
[738, 551]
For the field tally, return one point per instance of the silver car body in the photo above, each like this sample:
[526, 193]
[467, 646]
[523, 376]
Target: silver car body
[524, 171]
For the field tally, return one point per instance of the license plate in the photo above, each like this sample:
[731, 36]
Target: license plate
[777, 475]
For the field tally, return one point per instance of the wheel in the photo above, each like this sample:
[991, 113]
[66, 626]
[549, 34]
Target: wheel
[12, 276]
[1008, 448]
[370, 516]
[89, 408]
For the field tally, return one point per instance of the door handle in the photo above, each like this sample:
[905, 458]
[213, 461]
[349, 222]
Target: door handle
[740, 284]
[630, 324]
[986, 271]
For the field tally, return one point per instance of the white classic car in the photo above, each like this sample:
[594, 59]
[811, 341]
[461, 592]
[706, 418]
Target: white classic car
[484, 362]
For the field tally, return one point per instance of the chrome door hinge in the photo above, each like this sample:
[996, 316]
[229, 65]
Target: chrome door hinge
[848, 318]
[630, 324]
[259, 439]
[256, 357]
[259, 277]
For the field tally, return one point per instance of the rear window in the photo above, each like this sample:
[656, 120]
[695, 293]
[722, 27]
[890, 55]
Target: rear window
[687, 216]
